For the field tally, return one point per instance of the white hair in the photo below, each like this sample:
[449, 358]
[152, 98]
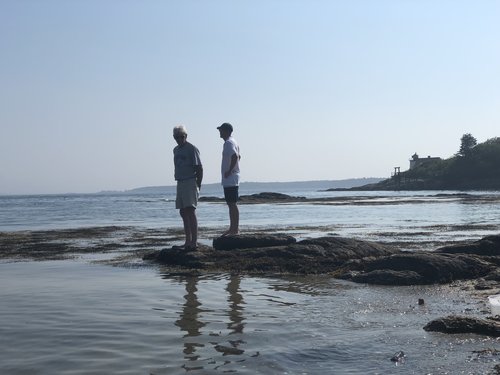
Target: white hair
[180, 129]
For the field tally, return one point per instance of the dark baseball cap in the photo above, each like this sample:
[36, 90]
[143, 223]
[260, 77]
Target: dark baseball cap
[226, 126]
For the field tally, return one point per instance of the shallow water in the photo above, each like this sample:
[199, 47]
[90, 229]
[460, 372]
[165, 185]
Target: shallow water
[72, 317]
[78, 317]
[413, 218]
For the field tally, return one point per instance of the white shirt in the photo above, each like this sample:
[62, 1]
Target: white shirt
[230, 148]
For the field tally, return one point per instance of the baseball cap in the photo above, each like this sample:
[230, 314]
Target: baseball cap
[226, 126]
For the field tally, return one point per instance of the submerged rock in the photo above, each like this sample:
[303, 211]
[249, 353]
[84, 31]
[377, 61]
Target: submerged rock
[464, 324]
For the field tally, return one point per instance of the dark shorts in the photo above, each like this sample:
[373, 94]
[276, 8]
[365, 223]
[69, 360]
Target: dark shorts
[231, 194]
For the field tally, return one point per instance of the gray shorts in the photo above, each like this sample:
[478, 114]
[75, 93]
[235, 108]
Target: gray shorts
[187, 194]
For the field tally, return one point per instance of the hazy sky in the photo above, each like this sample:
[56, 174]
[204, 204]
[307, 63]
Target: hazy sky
[90, 90]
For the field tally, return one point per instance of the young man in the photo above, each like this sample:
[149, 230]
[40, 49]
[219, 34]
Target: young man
[188, 174]
[230, 171]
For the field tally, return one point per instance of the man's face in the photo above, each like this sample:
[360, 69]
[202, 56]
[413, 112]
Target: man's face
[224, 134]
[180, 139]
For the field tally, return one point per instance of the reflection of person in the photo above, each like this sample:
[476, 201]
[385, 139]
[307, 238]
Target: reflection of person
[230, 171]
[236, 319]
[188, 174]
[189, 319]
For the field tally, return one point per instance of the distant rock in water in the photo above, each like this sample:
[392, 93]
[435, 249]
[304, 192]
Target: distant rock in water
[270, 196]
[264, 197]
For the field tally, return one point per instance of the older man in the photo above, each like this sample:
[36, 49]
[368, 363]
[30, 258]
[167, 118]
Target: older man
[188, 174]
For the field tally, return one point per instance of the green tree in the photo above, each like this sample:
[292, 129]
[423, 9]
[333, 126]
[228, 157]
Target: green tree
[467, 143]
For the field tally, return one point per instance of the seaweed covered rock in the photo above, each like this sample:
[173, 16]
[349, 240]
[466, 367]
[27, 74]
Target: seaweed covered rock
[465, 324]
[421, 268]
[489, 245]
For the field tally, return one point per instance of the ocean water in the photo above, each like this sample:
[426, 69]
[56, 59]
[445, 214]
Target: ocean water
[81, 317]
[431, 218]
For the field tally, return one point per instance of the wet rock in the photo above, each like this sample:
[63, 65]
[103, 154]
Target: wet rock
[493, 275]
[422, 268]
[344, 249]
[489, 245]
[463, 324]
[388, 277]
[320, 256]
[180, 257]
[250, 241]
[399, 357]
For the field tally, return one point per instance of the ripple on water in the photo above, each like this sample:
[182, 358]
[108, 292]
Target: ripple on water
[68, 317]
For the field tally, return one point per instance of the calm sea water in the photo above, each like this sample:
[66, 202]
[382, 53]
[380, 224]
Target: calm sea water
[77, 317]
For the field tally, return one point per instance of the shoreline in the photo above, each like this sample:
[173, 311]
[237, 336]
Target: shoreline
[129, 246]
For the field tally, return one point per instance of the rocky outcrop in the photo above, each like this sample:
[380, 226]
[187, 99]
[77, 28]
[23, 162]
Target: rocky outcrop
[350, 259]
[488, 246]
[420, 268]
[465, 324]
[320, 256]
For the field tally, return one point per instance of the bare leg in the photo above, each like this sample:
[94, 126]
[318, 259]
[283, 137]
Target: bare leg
[190, 226]
[187, 226]
[234, 219]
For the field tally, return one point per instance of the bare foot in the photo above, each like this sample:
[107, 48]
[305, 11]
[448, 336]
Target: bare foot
[230, 233]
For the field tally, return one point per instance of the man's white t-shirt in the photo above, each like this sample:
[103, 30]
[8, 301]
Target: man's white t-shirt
[230, 148]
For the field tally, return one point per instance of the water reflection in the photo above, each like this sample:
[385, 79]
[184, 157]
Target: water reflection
[194, 319]
[235, 299]
[189, 320]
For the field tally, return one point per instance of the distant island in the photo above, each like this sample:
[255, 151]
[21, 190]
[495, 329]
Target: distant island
[474, 167]
[252, 187]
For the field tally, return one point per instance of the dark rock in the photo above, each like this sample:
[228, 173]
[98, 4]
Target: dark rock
[181, 257]
[264, 197]
[228, 350]
[493, 275]
[267, 196]
[318, 256]
[399, 357]
[388, 277]
[431, 267]
[463, 324]
[348, 249]
[250, 241]
[350, 259]
[485, 284]
[489, 245]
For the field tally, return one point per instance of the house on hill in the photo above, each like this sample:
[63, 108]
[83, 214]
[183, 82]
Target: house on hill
[416, 161]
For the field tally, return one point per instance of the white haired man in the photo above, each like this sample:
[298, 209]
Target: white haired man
[188, 174]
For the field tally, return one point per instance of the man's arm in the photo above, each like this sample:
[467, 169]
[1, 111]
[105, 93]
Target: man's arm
[199, 175]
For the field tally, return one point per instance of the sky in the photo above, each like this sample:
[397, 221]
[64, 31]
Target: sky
[315, 89]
